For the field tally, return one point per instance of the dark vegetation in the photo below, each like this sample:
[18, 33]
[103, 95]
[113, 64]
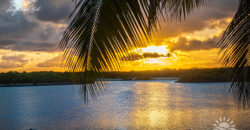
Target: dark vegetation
[184, 75]
[35, 78]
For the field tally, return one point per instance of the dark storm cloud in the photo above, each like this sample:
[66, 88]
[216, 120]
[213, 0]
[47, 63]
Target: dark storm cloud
[16, 26]
[19, 33]
[47, 32]
[54, 10]
[13, 25]
[135, 56]
[6, 44]
[189, 45]
[35, 46]
[28, 46]
[4, 4]
[13, 61]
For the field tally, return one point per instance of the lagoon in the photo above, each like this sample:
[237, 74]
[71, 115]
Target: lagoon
[156, 104]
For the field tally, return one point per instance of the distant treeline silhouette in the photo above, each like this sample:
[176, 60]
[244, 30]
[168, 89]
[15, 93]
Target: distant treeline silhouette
[35, 78]
[184, 75]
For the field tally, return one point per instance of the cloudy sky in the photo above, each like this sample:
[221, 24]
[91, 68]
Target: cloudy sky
[30, 31]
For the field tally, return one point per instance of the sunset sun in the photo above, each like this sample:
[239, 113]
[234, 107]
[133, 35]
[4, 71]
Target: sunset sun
[151, 57]
[162, 50]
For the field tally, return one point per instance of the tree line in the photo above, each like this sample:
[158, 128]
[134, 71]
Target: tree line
[35, 77]
[50, 77]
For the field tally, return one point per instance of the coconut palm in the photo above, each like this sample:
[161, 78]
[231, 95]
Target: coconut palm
[103, 31]
[235, 53]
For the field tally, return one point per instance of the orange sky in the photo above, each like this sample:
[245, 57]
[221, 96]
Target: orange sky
[189, 44]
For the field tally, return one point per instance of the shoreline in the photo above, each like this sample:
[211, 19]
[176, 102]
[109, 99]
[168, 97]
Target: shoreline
[51, 84]
[31, 84]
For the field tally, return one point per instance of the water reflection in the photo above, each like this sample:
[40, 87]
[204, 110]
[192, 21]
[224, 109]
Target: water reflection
[150, 103]
[127, 105]
[161, 105]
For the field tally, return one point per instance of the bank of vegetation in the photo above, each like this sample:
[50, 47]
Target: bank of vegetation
[183, 75]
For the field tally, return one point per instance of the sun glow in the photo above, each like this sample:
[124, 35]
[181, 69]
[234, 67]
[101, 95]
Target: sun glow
[23, 5]
[162, 50]
[155, 56]
[26, 4]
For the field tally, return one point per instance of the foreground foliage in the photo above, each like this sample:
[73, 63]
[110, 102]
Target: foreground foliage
[103, 31]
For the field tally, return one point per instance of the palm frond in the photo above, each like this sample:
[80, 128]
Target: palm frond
[103, 31]
[234, 52]
[180, 9]
[99, 33]
[170, 9]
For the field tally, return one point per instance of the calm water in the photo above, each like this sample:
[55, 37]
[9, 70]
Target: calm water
[126, 105]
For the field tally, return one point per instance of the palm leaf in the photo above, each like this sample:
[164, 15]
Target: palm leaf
[103, 31]
[234, 52]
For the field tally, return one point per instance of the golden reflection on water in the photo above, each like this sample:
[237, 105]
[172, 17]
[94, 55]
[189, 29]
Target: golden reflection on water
[128, 105]
[167, 105]
[158, 106]
[150, 111]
